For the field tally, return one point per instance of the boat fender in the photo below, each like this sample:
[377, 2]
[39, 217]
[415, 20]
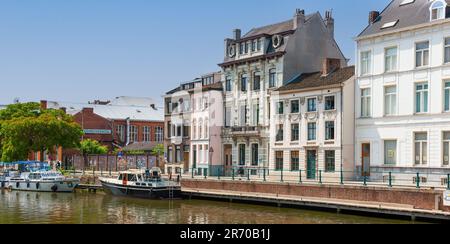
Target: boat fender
[17, 184]
[3, 185]
[37, 185]
[54, 188]
[28, 184]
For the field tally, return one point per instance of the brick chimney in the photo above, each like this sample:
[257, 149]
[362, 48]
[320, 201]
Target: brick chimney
[329, 22]
[43, 104]
[373, 16]
[329, 65]
[299, 18]
[88, 110]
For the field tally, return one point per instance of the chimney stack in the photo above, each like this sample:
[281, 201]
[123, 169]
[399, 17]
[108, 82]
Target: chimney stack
[88, 110]
[237, 34]
[299, 18]
[43, 104]
[329, 65]
[329, 22]
[373, 16]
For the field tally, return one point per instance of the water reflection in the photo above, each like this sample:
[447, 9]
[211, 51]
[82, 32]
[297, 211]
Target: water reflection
[85, 208]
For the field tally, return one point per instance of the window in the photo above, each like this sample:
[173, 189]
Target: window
[200, 129]
[255, 156]
[169, 107]
[120, 131]
[194, 129]
[390, 100]
[243, 115]
[438, 10]
[243, 83]
[257, 83]
[447, 96]
[422, 54]
[365, 103]
[134, 136]
[186, 130]
[146, 133]
[295, 132]
[228, 87]
[279, 161]
[246, 47]
[446, 148]
[329, 130]
[256, 114]
[206, 129]
[169, 129]
[280, 108]
[390, 59]
[390, 152]
[422, 98]
[330, 161]
[330, 103]
[259, 45]
[227, 116]
[447, 50]
[169, 154]
[311, 131]
[242, 154]
[295, 161]
[241, 48]
[159, 137]
[179, 128]
[421, 148]
[295, 107]
[280, 133]
[254, 46]
[178, 154]
[272, 78]
[312, 104]
[365, 62]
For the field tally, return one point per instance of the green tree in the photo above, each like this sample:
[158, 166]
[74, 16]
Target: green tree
[25, 128]
[158, 151]
[91, 147]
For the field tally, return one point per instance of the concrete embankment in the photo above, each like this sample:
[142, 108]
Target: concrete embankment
[400, 202]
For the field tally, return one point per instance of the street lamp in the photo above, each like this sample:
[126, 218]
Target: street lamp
[211, 152]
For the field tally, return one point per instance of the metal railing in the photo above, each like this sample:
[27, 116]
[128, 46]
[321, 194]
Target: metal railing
[376, 177]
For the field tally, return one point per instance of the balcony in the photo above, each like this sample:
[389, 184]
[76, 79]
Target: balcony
[245, 131]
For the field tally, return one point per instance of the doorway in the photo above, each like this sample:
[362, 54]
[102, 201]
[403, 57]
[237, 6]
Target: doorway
[311, 164]
[365, 157]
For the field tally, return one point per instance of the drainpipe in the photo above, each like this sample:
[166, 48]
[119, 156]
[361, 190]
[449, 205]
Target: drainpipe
[128, 131]
[342, 126]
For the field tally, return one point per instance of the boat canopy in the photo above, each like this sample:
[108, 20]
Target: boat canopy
[27, 166]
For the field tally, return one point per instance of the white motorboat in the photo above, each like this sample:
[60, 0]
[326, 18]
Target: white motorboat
[42, 181]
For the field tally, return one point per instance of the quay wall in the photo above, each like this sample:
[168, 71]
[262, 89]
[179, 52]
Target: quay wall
[426, 199]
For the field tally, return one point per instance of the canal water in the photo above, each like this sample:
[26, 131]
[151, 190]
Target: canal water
[89, 208]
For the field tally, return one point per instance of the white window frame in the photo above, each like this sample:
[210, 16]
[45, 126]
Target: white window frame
[366, 100]
[366, 62]
[422, 51]
[146, 134]
[390, 61]
[440, 10]
[315, 132]
[446, 46]
[326, 131]
[392, 99]
[423, 109]
[325, 103]
[444, 95]
[422, 142]
[290, 106]
[444, 141]
[396, 151]
[159, 134]
[315, 104]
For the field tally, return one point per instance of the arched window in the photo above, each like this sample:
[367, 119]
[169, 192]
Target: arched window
[437, 10]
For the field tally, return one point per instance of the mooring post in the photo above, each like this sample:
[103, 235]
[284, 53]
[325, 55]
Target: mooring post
[418, 181]
[320, 176]
[264, 170]
[342, 176]
[448, 182]
[300, 176]
[390, 179]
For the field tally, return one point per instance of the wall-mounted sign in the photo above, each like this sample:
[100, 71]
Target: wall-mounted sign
[97, 132]
[447, 198]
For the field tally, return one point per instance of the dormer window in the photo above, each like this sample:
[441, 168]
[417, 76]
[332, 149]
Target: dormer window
[437, 10]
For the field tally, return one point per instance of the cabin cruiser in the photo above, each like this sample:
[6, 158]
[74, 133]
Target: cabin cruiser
[6, 176]
[42, 181]
[142, 184]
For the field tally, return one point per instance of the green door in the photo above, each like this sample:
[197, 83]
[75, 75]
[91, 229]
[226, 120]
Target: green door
[311, 165]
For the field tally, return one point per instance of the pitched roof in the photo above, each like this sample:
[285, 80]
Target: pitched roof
[408, 15]
[274, 28]
[314, 80]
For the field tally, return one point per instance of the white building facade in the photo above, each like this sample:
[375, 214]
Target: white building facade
[402, 93]
[312, 127]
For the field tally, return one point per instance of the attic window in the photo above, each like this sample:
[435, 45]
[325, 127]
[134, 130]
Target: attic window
[437, 10]
[389, 24]
[405, 2]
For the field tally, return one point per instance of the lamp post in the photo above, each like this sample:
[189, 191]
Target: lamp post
[211, 152]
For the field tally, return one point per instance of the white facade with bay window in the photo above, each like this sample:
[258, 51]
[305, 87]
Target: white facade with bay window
[402, 100]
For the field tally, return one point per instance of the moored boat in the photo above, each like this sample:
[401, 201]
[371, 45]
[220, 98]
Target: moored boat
[42, 181]
[142, 184]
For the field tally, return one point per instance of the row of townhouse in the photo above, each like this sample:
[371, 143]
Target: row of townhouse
[285, 99]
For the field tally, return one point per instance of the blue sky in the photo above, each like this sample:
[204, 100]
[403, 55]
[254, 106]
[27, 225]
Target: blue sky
[80, 50]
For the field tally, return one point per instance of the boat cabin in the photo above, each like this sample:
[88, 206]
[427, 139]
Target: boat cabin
[147, 176]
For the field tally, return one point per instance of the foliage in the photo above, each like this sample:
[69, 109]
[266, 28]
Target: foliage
[92, 147]
[25, 128]
[158, 150]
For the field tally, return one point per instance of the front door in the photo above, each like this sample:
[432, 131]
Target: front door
[186, 162]
[365, 159]
[311, 164]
